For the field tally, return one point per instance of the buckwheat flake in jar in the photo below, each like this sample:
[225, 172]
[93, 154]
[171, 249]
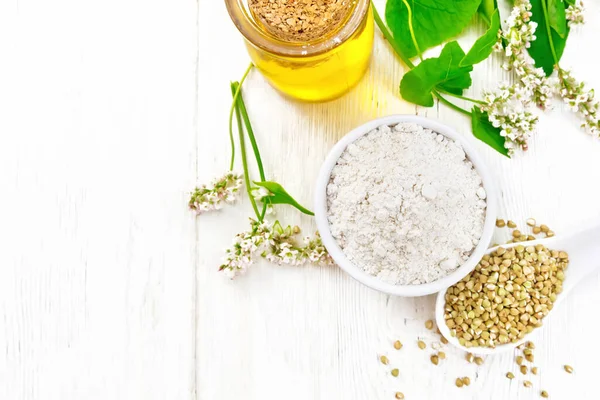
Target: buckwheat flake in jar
[312, 50]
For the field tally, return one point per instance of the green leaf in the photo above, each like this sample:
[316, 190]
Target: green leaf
[280, 230]
[557, 17]
[442, 72]
[433, 21]
[484, 46]
[486, 132]
[280, 196]
[486, 10]
[541, 50]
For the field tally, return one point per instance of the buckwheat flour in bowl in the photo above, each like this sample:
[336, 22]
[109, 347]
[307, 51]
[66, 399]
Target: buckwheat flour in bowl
[404, 204]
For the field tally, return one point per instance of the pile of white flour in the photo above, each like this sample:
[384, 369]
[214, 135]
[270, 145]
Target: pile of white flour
[405, 204]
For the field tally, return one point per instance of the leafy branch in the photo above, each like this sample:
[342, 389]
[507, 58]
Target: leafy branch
[448, 74]
[275, 193]
[533, 42]
[269, 240]
[235, 88]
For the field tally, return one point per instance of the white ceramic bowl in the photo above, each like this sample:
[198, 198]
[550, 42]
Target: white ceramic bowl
[370, 280]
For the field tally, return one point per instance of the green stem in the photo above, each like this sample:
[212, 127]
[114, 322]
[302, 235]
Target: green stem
[250, 132]
[390, 39]
[549, 31]
[235, 97]
[412, 31]
[242, 108]
[263, 211]
[235, 90]
[451, 105]
[460, 97]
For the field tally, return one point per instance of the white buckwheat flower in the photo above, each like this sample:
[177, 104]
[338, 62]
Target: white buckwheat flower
[260, 193]
[276, 244]
[211, 197]
[241, 255]
[580, 99]
[509, 108]
[518, 34]
[315, 252]
[575, 13]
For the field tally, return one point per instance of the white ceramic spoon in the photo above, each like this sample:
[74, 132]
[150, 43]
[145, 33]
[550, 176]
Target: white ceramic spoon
[584, 258]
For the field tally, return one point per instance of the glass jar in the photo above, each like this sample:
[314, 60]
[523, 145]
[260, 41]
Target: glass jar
[319, 70]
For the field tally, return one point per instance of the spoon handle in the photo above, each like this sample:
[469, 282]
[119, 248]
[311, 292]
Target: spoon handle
[584, 255]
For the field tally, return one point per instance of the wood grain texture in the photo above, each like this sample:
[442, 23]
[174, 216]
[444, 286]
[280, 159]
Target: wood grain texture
[111, 112]
[97, 152]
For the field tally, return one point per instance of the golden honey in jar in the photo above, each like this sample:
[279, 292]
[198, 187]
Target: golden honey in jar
[312, 50]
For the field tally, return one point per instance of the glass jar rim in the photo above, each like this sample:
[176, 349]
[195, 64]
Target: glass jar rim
[256, 36]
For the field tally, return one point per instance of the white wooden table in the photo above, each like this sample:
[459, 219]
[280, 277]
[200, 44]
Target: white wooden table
[111, 111]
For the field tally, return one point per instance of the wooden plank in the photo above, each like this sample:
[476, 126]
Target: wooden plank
[97, 152]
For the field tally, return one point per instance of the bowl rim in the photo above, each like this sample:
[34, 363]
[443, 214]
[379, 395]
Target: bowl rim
[372, 281]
